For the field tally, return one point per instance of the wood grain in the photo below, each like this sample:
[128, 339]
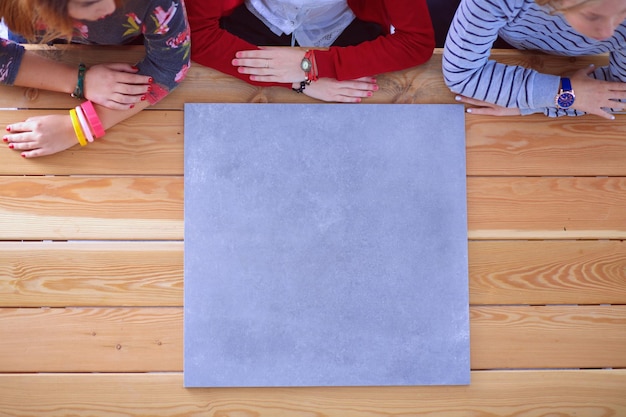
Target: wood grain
[546, 208]
[518, 337]
[91, 339]
[74, 274]
[150, 339]
[547, 272]
[543, 146]
[61, 208]
[491, 394]
[57, 208]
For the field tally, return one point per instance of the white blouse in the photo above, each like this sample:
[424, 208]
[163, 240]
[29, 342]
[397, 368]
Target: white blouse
[310, 22]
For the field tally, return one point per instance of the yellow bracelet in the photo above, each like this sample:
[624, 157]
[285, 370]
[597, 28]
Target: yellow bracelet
[78, 128]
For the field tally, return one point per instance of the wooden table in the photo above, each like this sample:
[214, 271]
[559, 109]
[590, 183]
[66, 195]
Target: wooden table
[91, 264]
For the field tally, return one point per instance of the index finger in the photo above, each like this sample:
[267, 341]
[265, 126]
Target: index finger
[252, 54]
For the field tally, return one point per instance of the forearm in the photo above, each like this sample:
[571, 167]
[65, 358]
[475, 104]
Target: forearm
[38, 72]
[110, 118]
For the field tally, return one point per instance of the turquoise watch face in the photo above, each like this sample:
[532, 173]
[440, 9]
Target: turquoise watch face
[565, 100]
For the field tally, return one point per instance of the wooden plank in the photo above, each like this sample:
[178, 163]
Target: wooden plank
[60, 208]
[91, 339]
[547, 272]
[519, 337]
[529, 394]
[540, 146]
[143, 208]
[148, 339]
[74, 274]
[546, 208]
[150, 143]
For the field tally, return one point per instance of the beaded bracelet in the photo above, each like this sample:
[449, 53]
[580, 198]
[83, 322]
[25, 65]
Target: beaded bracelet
[80, 84]
[84, 123]
[92, 117]
[77, 128]
[300, 90]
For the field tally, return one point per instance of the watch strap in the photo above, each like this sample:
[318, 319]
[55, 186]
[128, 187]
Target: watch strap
[566, 84]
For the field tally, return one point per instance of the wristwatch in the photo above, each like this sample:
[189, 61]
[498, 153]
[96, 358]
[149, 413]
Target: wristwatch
[565, 98]
[309, 66]
[306, 64]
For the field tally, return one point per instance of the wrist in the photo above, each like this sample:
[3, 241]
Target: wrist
[79, 89]
[309, 66]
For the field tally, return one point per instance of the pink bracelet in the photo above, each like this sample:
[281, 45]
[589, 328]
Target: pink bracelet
[84, 123]
[92, 117]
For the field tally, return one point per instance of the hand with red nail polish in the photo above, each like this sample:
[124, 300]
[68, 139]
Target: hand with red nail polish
[42, 135]
[116, 86]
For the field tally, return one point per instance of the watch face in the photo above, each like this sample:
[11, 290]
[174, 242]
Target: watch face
[305, 65]
[565, 100]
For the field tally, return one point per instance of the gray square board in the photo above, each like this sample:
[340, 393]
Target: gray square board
[325, 245]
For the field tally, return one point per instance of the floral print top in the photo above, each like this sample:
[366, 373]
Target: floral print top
[163, 26]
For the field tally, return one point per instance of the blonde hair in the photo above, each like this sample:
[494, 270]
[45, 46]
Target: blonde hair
[557, 5]
[39, 20]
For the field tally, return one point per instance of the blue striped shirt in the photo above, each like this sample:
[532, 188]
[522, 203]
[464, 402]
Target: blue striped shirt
[468, 70]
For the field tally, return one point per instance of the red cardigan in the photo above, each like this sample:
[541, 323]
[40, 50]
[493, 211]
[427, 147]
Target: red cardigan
[412, 43]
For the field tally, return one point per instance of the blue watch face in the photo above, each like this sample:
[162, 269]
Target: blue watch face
[565, 100]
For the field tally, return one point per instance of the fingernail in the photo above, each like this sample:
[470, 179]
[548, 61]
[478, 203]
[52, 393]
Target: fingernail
[23, 155]
[11, 146]
[457, 98]
[612, 117]
[150, 80]
[5, 139]
[135, 68]
[376, 88]
[369, 93]
[469, 110]
[149, 88]
[143, 98]
[132, 106]
[8, 128]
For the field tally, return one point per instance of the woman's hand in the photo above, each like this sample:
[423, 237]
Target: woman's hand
[278, 64]
[41, 135]
[596, 96]
[116, 86]
[487, 109]
[329, 89]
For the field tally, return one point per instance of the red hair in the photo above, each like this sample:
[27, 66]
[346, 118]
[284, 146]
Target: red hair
[28, 17]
